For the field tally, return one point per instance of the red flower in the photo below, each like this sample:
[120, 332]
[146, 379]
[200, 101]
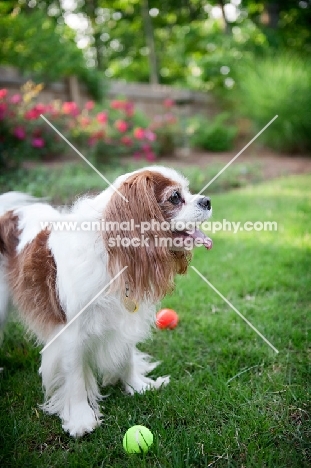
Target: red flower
[117, 104]
[35, 112]
[38, 142]
[126, 140]
[19, 132]
[89, 105]
[168, 103]
[139, 133]
[3, 93]
[121, 125]
[149, 135]
[70, 108]
[31, 115]
[40, 108]
[102, 117]
[16, 98]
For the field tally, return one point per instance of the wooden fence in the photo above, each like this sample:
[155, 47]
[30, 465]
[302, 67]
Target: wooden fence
[148, 98]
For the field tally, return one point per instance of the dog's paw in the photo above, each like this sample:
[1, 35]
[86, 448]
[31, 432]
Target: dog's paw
[161, 381]
[81, 421]
[143, 384]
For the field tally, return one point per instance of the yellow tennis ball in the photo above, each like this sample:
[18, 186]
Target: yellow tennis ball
[137, 439]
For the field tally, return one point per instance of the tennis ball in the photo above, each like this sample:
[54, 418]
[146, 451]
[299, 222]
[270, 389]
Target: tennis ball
[137, 439]
[167, 318]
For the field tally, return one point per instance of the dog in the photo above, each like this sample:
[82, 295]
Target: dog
[89, 293]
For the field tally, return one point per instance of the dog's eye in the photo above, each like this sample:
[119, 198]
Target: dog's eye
[175, 198]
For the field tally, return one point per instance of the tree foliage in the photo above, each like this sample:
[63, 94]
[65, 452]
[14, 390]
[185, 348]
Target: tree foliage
[179, 42]
[31, 42]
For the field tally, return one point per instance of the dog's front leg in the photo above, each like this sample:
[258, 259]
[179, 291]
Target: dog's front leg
[69, 383]
[134, 374]
[77, 416]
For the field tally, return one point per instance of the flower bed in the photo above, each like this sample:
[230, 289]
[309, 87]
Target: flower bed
[102, 133]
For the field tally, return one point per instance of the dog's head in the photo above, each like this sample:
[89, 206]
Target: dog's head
[151, 226]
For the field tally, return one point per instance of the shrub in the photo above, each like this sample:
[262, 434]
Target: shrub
[102, 132]
[278, 86]
[167, 127]
[216, 135]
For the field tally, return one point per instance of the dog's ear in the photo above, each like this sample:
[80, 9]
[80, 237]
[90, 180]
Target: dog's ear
[136, 240]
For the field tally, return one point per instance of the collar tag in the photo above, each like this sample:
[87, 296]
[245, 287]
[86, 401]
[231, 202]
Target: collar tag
[130, 305]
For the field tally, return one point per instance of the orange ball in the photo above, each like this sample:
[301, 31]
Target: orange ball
[167, 318]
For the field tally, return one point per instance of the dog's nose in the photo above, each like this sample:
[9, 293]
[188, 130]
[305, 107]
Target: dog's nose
[205, 202]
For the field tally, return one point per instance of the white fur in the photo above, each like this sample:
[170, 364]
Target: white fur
[9, 201]
[101, 343]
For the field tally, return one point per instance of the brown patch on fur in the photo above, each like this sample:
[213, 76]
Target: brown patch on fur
[151, 268]
[32, 277]
[163, 189]
[8, 233]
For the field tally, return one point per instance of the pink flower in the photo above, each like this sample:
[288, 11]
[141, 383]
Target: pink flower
[126, 140]
[70, 108]
[19, 132]
[150, 156]
[3, 93]
[121, 125]
[149, 135]
[89, 105]
[38, 142]
[102, 117]
[139, 133]
[16, 98]
[168, 103]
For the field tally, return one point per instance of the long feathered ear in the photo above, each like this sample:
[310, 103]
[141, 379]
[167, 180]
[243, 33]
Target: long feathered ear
[151, 266]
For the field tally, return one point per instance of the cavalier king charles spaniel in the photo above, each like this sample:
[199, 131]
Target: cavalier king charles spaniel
[54, 263]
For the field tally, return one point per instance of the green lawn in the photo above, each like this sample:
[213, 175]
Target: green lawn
[260, 418]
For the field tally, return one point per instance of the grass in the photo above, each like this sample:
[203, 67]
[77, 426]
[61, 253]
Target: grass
[64, 183]
[212, 413]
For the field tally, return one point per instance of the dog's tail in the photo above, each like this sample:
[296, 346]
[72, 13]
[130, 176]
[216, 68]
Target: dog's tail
[8, 201]
[13, 200]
